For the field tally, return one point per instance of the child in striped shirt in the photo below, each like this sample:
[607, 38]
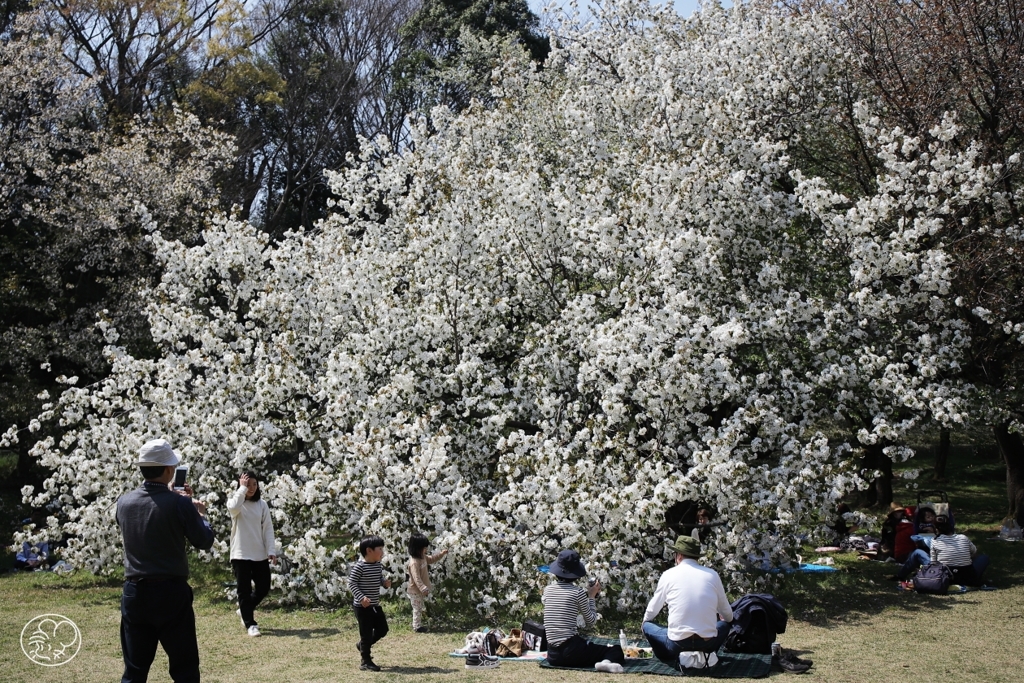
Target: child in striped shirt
[365, 579]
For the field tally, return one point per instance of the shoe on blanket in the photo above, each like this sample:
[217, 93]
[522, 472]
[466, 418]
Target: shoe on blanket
[475, 660]
[609, 667]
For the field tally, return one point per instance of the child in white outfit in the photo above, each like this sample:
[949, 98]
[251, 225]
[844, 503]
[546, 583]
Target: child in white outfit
[419, 577]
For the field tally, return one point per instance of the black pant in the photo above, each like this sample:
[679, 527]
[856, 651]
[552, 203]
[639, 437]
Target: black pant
[373, 626]
[247, 573]
[580, 653]
[159, 612]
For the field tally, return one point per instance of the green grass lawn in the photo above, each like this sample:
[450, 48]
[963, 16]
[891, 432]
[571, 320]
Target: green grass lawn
[854, 623]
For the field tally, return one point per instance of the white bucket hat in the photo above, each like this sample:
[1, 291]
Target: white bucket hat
[158, 453]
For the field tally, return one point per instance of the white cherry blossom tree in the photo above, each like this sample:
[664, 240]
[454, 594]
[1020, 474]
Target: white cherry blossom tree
[552, 320]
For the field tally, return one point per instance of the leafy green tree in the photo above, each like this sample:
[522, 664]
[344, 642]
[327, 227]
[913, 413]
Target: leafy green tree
[436, 69]
[79, 204]
[298, 100]
[921, 62]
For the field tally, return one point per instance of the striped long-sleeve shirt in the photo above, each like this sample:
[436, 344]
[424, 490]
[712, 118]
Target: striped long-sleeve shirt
[365, 580]
[953, 550]
[562, 603]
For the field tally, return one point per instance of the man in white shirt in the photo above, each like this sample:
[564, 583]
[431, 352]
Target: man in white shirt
[698, 611]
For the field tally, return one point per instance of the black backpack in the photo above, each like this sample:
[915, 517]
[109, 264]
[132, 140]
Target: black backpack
[758, 618]
[756, 638]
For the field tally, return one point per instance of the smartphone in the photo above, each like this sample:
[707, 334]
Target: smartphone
[179, 478]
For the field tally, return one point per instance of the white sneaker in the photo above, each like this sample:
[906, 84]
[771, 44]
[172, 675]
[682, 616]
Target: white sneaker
[239, 613]
[254, 631]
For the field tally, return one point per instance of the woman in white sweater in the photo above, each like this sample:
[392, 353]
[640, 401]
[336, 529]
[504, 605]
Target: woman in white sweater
[252, 547]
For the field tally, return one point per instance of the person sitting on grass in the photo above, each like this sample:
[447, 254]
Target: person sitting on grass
[698, 610]
[563, 601]
[32, 557]
[924, 520]
[913, 552]
[840, 527]
[958, 553]
[896, 534]
[953, 550]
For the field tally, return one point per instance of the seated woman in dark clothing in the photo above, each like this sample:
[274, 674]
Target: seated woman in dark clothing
[563, 601]
[840, 527]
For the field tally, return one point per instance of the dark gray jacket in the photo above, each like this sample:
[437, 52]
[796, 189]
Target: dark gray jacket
[155, 522]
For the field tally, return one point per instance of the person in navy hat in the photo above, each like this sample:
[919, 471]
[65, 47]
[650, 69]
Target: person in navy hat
[156, 605]
[563, 602]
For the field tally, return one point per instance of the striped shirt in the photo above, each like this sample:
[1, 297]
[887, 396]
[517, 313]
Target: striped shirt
[562, 603]
[364, 580]
[953, 550]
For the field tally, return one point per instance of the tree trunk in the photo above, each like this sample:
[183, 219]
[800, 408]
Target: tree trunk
[942, 455]
[1011, 447]
[879, 495]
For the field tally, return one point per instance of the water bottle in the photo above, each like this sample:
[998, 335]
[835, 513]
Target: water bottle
[622, 639]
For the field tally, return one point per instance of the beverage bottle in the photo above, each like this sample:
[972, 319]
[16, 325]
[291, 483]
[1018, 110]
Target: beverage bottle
[622, 639]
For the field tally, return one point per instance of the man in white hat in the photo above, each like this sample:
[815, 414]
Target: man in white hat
[156, 606]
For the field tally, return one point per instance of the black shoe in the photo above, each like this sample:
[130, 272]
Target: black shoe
[421, 629]
[787, 664]
[369, 666]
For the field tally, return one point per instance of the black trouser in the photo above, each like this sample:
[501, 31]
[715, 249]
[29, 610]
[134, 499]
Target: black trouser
[247, 573]
[580, 653]
[373, 626]
[158, 612]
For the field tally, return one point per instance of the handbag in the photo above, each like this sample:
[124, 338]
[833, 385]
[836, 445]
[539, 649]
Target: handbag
[492, 641]
[535, 632]
[512, 645]
[933, 578]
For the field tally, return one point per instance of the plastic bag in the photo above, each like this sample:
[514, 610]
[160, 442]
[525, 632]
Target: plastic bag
[697, 660]
[1010, 530]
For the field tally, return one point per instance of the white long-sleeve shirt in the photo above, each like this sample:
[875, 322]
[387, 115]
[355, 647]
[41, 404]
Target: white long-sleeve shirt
[695, 597]
[252, 529]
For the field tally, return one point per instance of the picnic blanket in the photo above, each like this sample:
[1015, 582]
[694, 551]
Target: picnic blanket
[730, 665]
[804, 567]
[528, 656]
